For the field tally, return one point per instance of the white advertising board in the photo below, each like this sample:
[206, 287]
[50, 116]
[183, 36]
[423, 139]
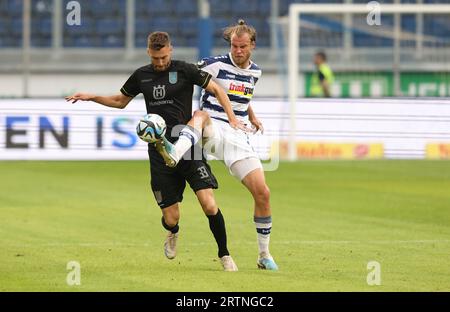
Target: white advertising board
[53, 129]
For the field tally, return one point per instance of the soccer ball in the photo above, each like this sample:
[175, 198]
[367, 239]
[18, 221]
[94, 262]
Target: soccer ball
[151, 128]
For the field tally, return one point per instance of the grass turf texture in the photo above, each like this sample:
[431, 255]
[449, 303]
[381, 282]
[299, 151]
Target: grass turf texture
[330, 220]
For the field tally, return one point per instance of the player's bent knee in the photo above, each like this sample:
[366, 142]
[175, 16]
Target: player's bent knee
[210, 210]
[266, 192]
[169, 222]
[262, 194]
[207, 201]
[209, 206]
[201, 116]
[171, 215]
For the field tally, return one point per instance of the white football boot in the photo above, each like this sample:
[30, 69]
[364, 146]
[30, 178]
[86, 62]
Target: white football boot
[228, 264]
[170, 245]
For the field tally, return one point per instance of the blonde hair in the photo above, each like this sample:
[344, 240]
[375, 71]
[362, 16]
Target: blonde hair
[239, 29]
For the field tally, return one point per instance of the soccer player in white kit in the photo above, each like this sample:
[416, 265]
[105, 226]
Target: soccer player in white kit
[237, 75]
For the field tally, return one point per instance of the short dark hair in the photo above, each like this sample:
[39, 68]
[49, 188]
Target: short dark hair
[240, 28]
[158, 40]
[322, 55]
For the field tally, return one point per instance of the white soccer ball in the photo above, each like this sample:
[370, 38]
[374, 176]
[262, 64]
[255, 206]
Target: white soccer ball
[151, 128]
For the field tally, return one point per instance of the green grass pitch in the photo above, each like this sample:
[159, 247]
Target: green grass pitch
[330, 220]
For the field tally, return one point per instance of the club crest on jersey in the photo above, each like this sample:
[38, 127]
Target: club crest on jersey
[173, 77]
[159, 92]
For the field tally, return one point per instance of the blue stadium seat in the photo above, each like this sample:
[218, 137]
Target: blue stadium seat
[103, 8]
[10, 42]
[41, 41]
[41, 26]
[41, 7]
[16, 27]
[87, 27]
[220, 42]
[112, 41]
[324, 21]
[160, 7]
[110, 27]
[191, 41]
[35, 27]
[188, 26]
[46, 26]
[140, 8]
[3, 8]
[4, 27]
[437, 1]
[14, 7]
[408, 22]
[84, 41]
[323, 1]
[364, 40]
[264, 8]
[178, 41]
[263, 41]
[255, 22]
[263, 34]
[437, 25]
[219, 24]
[284, 7]
[220, 8]
[243, 9]
[284, 4]
[140, 41]
[365, 1]
[186, 8]
[142, 26]
[164, 24]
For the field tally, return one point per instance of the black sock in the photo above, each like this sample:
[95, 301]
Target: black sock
[173, 229]
[217, 226]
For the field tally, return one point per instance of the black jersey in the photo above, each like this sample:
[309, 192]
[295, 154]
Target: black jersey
[167, 93]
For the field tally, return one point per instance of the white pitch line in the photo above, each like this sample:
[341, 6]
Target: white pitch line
[305, 242]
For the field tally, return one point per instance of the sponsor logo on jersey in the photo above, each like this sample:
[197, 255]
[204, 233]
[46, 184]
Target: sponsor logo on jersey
[159, 92]
[241, 90]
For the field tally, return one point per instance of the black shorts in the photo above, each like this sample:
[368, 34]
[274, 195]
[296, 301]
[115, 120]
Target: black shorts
[168, 183]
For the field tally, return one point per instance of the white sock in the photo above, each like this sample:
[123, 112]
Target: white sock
[188, 138]
[263, 228]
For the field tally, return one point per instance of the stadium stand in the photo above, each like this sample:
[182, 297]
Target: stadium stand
[103, 22]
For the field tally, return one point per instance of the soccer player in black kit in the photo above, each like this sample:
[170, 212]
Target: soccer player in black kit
[167, 86]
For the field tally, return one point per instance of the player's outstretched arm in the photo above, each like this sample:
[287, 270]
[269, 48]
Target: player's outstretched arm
[222, 97]
[115, 101]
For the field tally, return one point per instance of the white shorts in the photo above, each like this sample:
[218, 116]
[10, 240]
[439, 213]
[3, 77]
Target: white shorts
[227, 144]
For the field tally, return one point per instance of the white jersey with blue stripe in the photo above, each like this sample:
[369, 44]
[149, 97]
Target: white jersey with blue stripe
[238, 83]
